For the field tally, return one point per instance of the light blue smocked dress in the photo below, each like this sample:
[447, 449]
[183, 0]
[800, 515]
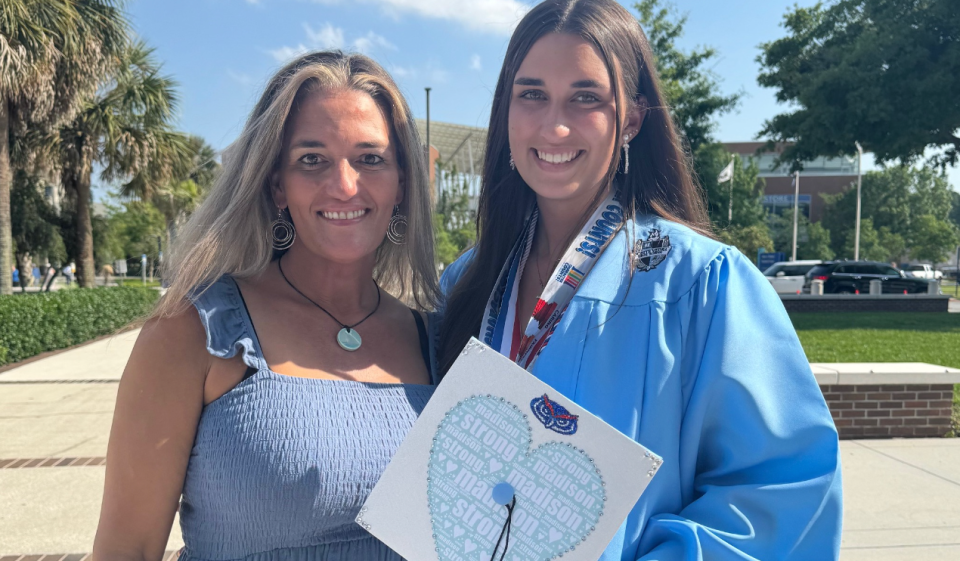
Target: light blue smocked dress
[281, 465]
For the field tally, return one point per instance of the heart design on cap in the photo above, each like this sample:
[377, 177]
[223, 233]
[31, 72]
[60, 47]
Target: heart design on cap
[558, 489]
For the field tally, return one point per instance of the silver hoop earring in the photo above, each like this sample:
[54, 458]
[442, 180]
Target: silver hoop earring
[513, 166]
[397, 231]
[626, 154]
[283, 232]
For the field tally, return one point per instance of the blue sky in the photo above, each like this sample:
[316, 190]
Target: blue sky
[223, 51]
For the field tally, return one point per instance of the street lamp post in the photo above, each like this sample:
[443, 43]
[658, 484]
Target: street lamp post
[796, 208]
[856, 239]
[428, 123]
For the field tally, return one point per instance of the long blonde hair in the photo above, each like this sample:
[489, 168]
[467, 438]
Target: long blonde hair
[231, 231]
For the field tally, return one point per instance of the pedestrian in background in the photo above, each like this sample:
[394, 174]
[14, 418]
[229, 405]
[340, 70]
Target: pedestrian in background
[107, 272]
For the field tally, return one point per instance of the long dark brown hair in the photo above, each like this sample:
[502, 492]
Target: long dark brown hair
[659, 183]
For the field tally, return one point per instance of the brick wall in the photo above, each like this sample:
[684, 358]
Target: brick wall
[914, 410]
[864, 303]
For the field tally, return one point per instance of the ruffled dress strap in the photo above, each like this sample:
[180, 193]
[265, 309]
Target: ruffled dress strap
[224, 316]
[229, 328]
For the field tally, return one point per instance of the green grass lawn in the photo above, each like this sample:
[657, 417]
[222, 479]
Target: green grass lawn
[880, 337]
[883, 337]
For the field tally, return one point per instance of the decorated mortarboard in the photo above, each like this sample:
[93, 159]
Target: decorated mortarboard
[501, 466]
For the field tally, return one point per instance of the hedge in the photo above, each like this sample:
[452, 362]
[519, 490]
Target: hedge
[34, 323]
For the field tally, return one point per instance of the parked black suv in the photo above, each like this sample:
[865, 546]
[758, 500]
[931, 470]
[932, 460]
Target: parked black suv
[849, 277]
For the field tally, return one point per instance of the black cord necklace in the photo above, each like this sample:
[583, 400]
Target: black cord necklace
[347, 337]
[543, 283]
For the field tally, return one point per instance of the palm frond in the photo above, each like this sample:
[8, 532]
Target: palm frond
[158, 158]
[53, 55]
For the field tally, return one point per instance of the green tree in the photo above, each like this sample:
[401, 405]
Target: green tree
[894, 199]
[125, 128]
[454, 221]
[692, 91]
[177, 199]
[882, 72]
[107, 245]
[745, 190]
[954, 215]
[933, 239]
[813, 240]
[34, 223]
[894, 244]
[875, 244]
[52, 53]
[133, 227]
[748, 239]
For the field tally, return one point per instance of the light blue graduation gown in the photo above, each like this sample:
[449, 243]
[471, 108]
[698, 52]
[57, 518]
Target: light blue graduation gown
[698, 361]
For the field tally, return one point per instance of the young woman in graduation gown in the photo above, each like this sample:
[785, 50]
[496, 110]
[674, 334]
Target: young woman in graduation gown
[595, 269]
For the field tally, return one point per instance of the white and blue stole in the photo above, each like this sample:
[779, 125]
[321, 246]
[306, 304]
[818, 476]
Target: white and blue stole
[576, 263]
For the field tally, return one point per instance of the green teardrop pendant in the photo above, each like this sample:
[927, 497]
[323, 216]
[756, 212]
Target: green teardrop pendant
[348, 339]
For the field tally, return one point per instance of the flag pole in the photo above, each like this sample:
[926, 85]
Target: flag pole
[796, 208]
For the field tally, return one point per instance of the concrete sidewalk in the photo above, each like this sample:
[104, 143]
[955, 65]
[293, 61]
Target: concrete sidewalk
[101, 360]
[58, 411]
[902, 497]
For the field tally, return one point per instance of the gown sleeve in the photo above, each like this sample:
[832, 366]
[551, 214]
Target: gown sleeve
[452, 273]
[756, 438]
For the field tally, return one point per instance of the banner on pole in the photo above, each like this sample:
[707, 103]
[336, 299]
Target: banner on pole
[727, 173]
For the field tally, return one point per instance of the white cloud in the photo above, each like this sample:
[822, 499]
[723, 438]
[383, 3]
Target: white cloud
[495, 16]
[403, 72]
[475, 63]
[283, 54]
[431, 73]
[367, 43]
[329, 37]
[491, 16]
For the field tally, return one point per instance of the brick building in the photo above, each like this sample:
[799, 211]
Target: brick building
[820, 176]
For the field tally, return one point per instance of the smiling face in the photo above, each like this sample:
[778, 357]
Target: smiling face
[562, 119]
[339, 175]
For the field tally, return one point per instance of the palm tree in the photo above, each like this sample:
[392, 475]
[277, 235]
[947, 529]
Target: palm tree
[52, 53]
[125, 127]
[179, 198]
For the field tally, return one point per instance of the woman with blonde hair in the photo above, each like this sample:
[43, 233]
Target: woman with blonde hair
[283, 367]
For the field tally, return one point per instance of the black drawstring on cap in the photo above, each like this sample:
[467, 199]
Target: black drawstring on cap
[505, 530]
